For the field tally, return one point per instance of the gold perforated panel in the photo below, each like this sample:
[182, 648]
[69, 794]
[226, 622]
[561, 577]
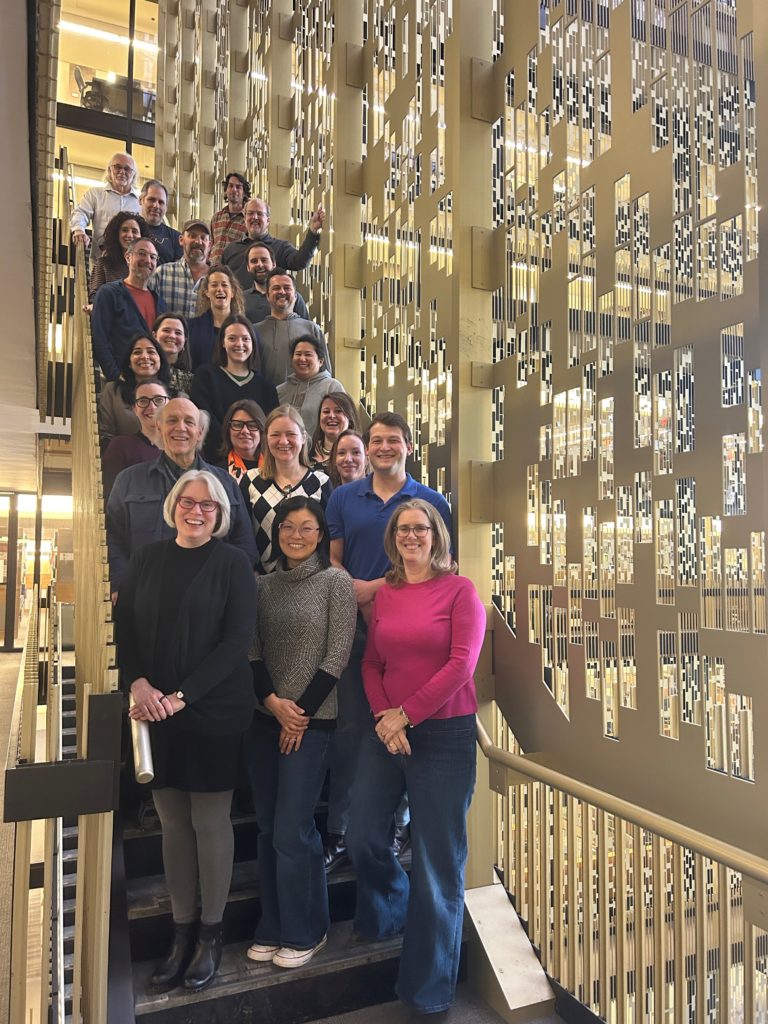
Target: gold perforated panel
[543, 249]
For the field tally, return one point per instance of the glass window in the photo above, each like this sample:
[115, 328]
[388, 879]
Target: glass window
[93, 55]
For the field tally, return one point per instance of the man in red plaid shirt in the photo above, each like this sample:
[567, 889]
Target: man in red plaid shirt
[228, 225]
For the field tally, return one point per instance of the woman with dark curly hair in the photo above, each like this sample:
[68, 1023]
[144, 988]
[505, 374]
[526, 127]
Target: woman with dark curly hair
[144, 361]
[124, 228]
[218, 298]
[172, 331]
[338, 412]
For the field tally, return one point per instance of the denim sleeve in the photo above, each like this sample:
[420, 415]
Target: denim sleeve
[102, 317]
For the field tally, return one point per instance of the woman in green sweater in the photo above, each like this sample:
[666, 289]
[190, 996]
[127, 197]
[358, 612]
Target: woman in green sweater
[305, 625]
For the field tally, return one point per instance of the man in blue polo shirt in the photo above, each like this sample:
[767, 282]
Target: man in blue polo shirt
[357, 516]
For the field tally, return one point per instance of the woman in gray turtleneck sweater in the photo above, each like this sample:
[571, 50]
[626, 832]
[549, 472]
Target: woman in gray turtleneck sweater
[306, 622]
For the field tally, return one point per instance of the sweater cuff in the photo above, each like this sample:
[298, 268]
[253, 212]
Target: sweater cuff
[262, 681]
[316, 692]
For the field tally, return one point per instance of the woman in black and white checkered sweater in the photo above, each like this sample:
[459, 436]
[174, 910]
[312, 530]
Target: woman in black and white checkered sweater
[285, 473]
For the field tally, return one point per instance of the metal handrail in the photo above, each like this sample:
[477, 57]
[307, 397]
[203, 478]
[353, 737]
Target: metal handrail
[745, 863]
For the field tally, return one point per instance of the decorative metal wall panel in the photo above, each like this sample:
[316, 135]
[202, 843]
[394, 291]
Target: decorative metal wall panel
[543, 248]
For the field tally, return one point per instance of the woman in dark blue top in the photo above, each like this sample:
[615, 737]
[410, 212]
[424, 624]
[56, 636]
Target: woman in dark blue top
[233, 375]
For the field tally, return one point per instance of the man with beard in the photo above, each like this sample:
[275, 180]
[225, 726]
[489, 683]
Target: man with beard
[285, 255]
[153, 200]
[260, 260]
[177, 283]
[276, 333]
[122, 309]
[100, 204]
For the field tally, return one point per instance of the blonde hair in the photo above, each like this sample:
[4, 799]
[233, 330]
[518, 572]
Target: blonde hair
[268, 466]
[441, 561]
[216, 491]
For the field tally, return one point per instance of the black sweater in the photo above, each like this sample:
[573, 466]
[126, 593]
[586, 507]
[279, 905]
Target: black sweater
[210, 641]
[214, 390]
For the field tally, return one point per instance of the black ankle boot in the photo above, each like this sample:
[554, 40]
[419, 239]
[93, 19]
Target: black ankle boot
[170, 971]
[335, 852]
[206, 958]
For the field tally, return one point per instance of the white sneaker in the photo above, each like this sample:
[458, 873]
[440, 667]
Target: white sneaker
[261, 953]
[287, 957]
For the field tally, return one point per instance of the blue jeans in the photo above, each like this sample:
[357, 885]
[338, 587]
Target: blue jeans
[439, 776]
[353, 720]
[286, 788]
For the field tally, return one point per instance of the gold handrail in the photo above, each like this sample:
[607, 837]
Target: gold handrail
[731, 856]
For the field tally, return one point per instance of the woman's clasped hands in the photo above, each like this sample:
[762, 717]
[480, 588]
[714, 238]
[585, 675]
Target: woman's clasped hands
[292, 719]
[390, 728]
[151, 704]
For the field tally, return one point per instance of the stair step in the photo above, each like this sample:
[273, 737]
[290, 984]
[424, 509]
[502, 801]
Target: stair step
[468, 1008]
[142, 848]
[149, 908]
[342, 977]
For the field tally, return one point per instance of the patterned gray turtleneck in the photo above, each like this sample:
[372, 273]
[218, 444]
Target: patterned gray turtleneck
[306, 622]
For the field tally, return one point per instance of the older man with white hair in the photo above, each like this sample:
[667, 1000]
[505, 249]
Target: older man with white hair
[100, 204]
[135, 506]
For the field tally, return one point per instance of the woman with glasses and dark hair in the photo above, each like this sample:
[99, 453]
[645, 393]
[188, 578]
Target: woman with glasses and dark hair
[305, 624]
[233, 375]
[242, 430]
[123, 229]
[338, 412]
[130, 449]
[185, 619]
[172, 332]
[426, 631]
[144, 360]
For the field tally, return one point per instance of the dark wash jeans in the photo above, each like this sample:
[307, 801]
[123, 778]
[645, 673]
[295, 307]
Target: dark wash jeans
[439, 776]
[286, 788]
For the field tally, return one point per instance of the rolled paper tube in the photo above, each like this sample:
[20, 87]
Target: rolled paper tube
[142, 751]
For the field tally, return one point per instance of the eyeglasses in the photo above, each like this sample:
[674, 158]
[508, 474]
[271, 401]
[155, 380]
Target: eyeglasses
[418, 531]
[126, 168]
[240, 425]
[305, 531]
[156, 400]
[205, 506]
[152, 256]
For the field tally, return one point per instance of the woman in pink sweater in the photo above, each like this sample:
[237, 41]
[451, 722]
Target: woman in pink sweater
[424, 640]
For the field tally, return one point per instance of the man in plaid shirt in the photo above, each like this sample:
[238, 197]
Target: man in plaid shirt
[228, 225]
[178, 283]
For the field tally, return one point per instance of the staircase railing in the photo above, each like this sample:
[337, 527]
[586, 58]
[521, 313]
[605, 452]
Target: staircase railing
[639, 917]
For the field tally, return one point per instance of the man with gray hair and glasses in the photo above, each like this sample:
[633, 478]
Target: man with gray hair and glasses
[100, 204]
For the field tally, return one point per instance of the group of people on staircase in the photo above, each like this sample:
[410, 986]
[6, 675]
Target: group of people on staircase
[287, 603]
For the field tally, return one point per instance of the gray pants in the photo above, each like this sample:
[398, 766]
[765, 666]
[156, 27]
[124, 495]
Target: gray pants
[198, 842]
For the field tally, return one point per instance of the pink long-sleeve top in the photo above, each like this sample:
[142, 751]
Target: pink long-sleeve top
[424, 640]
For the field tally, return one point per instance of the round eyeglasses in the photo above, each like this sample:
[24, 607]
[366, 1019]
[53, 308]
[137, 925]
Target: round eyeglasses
[305, 531]
[205, 506]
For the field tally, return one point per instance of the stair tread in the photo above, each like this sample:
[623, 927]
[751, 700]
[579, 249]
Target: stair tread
[148, 896]
[238, 974]
[468, 1008]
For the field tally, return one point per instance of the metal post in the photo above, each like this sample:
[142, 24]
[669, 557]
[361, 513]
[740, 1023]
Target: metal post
[11, 574]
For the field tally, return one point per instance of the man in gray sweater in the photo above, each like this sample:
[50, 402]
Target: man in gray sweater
[275, 334]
